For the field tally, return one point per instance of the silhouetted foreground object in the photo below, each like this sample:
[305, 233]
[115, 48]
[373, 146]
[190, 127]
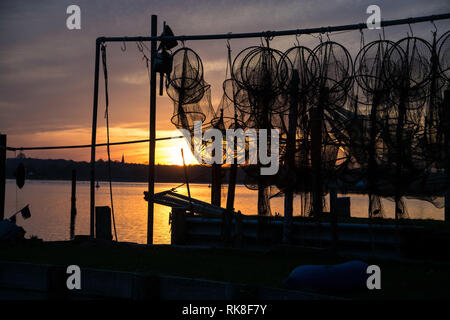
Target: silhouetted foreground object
[20, 175]
[2, 175]
[378, 120]
[9, 231]
[103, 223]
[188, 90]
[345, 277]
[25, 212]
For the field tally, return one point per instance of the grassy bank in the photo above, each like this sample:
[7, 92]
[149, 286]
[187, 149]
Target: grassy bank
[399, 280]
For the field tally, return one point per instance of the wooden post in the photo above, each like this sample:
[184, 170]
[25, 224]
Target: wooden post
[98, 42]
[400, 156]
[229, 213]
[238, 229]
[2, 175]
[263, 200]
[447, 147]
[334, 213]
[178, 222]
[216, 184]
[290, 159]
[233, 169]
[73, 207]
[152, 129]
[233, 174]
[372, 164]
[103, 223]
[316, 153]
[232, 187]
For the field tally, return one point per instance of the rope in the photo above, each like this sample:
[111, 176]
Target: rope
[174, 189]
[90, 145]
[105, 72]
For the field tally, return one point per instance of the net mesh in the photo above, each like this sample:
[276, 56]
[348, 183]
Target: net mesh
[374, 124]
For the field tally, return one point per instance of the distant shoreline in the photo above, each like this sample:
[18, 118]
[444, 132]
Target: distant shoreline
[60, 169]
[12, 180]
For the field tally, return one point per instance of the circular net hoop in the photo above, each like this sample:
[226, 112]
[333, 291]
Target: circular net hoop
[188, 90]
[413, 70]
[228, 116]
[384, 108]
[335, 73]
[261, 75]
[371, 68]
[191, 96]
[187, 71]
[444, 56]
[305, 64]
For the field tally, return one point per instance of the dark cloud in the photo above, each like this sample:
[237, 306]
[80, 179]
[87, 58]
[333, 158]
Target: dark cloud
[46, 70]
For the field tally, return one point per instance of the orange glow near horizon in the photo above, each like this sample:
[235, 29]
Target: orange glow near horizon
[168, 152]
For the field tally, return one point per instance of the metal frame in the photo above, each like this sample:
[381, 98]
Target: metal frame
[154, 40]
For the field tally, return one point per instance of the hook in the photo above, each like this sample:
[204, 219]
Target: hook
[262, 41]
[435, 28]
[362, 42]
[139, 46]
[268, 37]
[123, 47]
[297, 37]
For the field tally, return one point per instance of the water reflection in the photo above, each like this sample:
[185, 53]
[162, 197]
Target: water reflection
[50, 207]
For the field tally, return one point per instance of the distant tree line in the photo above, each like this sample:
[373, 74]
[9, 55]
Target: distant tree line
[49, 169]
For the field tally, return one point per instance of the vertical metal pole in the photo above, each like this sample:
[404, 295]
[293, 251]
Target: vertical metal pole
[290, 158]
[94, 137]
[333, 212]
[161, 75]
[151, 153]
[234, 166]
[2, 175]
[232, 185]
[447, 149]
[316, 153]
[216, 184]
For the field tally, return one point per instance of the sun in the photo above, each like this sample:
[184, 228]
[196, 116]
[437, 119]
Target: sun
[168, 152]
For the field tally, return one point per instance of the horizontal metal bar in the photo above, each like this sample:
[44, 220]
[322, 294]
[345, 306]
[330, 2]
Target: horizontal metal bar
[358, 26]
[88, 145]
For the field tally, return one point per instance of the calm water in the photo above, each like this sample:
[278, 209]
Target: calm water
[50, 207]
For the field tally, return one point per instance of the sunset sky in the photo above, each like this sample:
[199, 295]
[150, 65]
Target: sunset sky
[46, 70]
